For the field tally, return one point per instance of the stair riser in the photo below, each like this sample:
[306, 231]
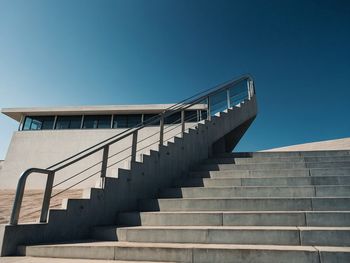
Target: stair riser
[298, 204]
[330, 180]
[272, 166]
[194, 255]
[271, 173]
[229, 236]
[276, 160]
[278, 181]
[234, 219]
[221, 192]
[290, 154]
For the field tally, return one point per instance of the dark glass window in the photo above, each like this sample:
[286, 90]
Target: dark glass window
[68, 122]
[97, 121]
[126, 121]
[173, 119]
[203, 115]
[27, 123]
[148, 118]
[191, 116]
[38, 123]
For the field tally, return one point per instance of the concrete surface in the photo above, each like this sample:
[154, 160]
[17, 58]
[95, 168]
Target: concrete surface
[67, 260]
[207, 253]
[46, 147]
[338, 144]
[279, 218]
[157, 170]
[31, 206]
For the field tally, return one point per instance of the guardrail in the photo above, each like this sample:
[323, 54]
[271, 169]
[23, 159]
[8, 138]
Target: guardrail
[216, 99]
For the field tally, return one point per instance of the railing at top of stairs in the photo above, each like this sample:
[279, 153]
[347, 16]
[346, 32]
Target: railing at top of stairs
[215, 99]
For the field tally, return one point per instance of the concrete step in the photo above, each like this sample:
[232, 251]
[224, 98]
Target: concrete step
[266, 181]
[272, 166]
[256, 235]
[69, 260]
[223, 218]
[193, 253]
[256, 191]
[252, 160]
[287, 154]
[271, 172]
[246, 204]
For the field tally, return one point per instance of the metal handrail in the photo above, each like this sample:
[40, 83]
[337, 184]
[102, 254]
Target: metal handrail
[104, 145]
[20, 191]
[168, 111]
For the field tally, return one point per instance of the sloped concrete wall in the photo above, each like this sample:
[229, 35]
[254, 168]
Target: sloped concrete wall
[43, 148]
[143, 180]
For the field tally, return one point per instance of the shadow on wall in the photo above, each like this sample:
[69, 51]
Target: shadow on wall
[1, 162]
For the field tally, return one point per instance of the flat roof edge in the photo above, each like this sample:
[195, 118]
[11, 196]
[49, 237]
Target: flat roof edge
[17, 113]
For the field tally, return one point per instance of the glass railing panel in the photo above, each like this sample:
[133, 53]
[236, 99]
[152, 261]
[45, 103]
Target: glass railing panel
[218, 102]
[238, 93]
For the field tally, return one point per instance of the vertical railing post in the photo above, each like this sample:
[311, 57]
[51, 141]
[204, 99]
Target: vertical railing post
[252, 91]
[47, 197]
[20, 127]
[249, 92]
[208, 109]
[182, 123]
[17, 203]
[104, 165]
[161, 132]
[228, 98]
[134, 146]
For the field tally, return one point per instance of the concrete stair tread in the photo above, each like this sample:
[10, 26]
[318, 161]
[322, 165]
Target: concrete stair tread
[305, 165]
[262, 173]
[249, 198]
[273, 177]
[306, 153]
[257, 186]
[249, 160]
[233, 212]
[276, 162]
[196, 245]
[301, 228]
[68, 260]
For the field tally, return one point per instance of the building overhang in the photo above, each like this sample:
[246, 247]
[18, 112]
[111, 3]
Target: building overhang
[18, 113]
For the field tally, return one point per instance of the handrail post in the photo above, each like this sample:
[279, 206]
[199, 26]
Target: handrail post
[47, 196]
[161, 132]
[104, 164]
[209, 116]
[182, 122]
[249, 89]
[228, 98]
[252, 90]
[20, 192]
[134, 146]
[18, 201]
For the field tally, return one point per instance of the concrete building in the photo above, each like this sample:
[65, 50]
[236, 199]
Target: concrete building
[189, 199]
[47, 135]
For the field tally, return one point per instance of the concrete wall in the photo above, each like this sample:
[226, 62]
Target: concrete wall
[143, 180]
[43, 148]
[1, 164]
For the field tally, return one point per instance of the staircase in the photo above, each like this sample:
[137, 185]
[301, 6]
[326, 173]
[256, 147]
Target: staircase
[235, 207]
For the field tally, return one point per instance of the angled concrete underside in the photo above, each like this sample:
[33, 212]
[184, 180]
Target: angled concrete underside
[144, 179]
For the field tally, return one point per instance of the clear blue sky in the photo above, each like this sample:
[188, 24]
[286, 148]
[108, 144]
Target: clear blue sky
[156, 51]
